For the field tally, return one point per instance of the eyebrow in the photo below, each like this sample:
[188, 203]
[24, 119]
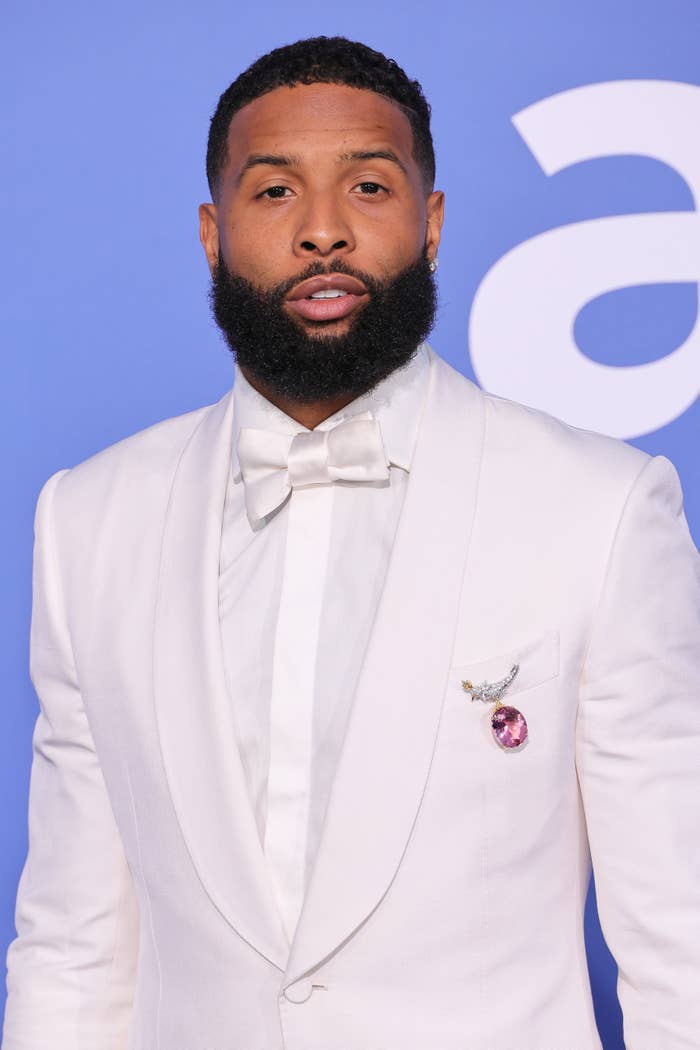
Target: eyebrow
[374, 154]
[274, 159]
[278, 160]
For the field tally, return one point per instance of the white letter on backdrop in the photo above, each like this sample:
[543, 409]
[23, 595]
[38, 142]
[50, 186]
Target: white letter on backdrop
[522, 319]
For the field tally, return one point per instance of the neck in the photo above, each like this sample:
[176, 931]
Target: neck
[309, 413]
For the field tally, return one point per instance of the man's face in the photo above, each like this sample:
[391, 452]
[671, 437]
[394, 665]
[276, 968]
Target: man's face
[320, 179]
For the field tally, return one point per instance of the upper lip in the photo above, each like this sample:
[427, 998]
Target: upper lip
[343, 282]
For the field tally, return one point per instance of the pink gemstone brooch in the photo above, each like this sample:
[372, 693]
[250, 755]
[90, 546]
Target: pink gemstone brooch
[508, 724]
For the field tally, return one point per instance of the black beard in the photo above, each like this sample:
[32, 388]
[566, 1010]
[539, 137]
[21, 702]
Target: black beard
[273, 348]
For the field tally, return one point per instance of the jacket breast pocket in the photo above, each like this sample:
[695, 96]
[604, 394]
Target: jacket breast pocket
[537, 661]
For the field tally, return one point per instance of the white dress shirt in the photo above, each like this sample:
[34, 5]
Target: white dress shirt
[298, 592]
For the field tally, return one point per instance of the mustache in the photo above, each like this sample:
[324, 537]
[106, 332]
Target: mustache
[278, 292]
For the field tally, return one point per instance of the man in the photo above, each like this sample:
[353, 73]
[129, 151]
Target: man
[345, 679]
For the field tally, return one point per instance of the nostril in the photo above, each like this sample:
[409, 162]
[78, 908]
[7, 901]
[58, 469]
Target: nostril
[309, 246]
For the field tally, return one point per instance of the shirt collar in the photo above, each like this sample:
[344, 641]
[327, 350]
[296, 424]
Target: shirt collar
[396, 403]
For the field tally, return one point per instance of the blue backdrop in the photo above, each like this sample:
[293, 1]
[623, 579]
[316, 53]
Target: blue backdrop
[567, 145]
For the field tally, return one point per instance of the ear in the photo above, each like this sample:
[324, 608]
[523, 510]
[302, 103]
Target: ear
[435, 213]
[209, 233]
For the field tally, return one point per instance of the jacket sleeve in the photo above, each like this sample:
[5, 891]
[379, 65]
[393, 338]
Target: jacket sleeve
[638, 762]
[70, 970]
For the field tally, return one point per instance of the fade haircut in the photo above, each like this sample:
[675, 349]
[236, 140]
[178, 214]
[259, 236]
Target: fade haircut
[323, 60]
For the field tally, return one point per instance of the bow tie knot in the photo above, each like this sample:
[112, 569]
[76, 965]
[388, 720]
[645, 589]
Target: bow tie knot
[272, 464]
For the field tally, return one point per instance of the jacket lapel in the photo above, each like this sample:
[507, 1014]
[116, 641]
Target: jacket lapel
[386, 756]
[195, 721]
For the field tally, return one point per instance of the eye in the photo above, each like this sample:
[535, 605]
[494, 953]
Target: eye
[370, 189]
[274, 192]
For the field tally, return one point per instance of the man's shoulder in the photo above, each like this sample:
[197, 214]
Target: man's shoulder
[529, 438]
[137, 466]
[569, 474]
[529, 431]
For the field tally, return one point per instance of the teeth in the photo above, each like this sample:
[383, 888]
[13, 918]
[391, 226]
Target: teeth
[328, 293]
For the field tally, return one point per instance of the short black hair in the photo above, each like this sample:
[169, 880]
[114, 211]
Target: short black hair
[323, 60]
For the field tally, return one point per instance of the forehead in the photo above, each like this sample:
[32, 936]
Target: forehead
[317, 117]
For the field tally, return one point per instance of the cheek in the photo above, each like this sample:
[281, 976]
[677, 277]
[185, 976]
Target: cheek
[252, 251]
[396, 236]
[391, 252]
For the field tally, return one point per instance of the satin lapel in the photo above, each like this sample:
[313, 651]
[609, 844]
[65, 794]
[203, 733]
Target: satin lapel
[385, 761]
[195, 720]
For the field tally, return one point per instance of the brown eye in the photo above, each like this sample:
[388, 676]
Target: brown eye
[370, 187]
[274, 192]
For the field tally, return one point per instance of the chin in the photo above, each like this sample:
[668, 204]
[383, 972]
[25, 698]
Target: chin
[319, 329]
[331, 328]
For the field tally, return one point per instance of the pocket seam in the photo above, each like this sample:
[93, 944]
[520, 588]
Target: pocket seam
[539, 660]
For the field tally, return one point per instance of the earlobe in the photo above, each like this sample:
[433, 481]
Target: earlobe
[209, 233]
[435, 214]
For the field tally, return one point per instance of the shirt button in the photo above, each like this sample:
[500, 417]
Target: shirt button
[299, 992]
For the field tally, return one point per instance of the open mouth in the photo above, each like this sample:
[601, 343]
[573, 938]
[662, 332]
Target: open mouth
[326, 298]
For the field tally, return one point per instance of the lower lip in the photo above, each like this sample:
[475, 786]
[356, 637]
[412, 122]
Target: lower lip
[325, 309]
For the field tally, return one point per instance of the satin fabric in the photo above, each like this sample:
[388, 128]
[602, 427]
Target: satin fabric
[298, 592]
[273, 463]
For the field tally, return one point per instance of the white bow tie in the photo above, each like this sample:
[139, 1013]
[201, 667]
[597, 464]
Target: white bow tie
[272, 464]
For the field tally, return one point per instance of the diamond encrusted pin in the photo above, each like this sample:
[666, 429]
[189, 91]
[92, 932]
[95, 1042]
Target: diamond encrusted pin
[507, 723]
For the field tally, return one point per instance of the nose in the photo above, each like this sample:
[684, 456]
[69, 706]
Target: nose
[323, 228]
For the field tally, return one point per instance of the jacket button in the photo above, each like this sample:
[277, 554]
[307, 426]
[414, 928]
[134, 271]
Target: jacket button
[299, 992]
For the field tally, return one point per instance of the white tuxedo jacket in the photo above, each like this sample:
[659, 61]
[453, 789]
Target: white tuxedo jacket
[445, 909]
